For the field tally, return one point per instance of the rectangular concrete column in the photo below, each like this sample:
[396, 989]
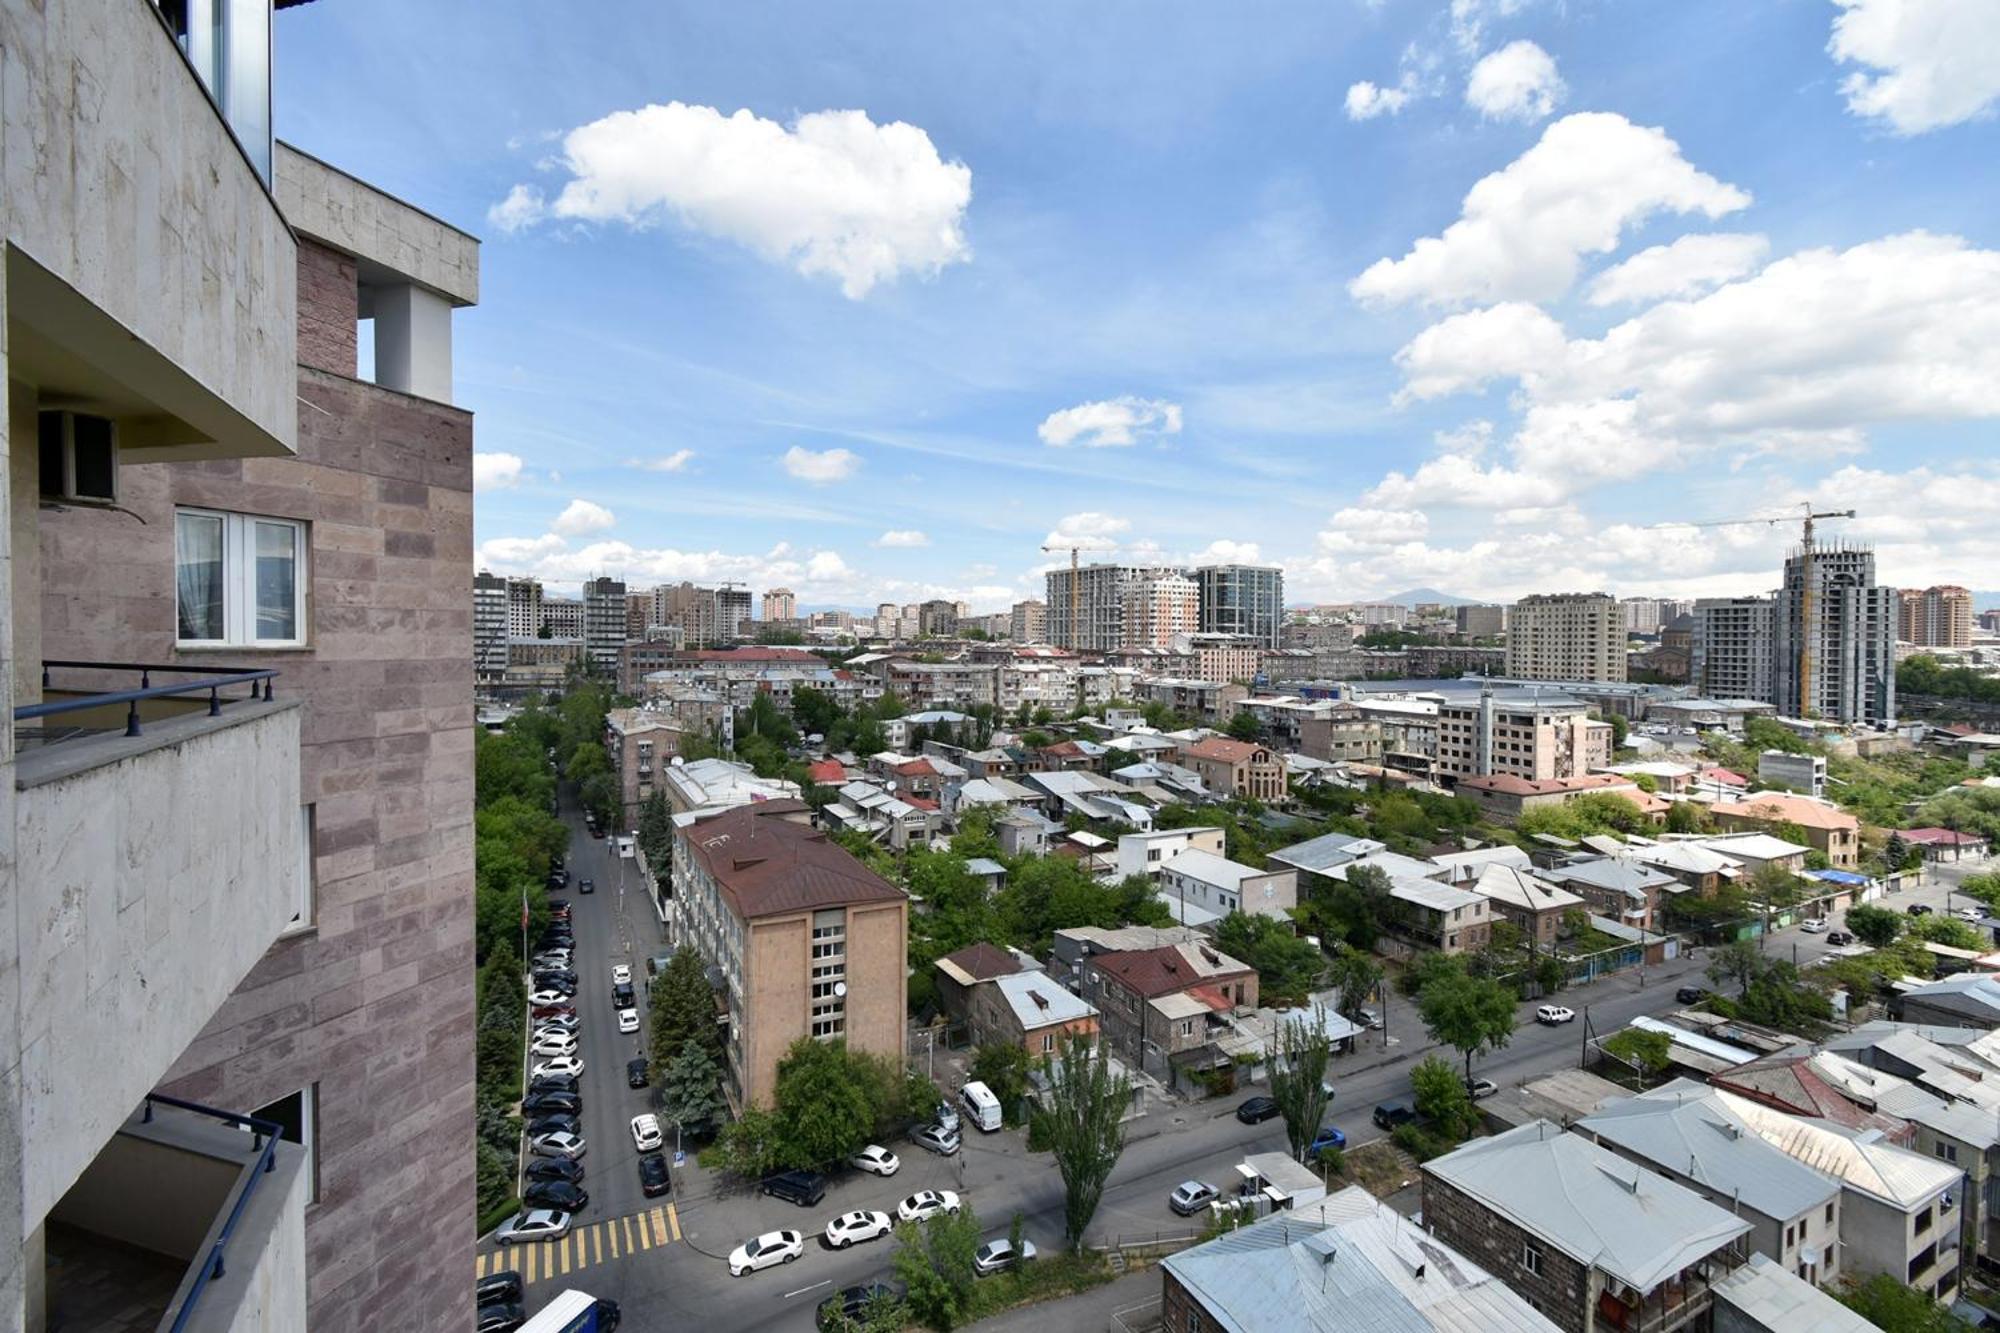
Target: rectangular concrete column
[412, 341]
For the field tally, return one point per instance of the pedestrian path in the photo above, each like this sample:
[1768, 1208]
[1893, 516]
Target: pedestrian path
[585, 1246]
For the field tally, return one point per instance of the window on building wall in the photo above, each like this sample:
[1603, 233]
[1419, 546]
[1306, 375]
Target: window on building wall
[1048, 1042]
[298, 1118]
[1531, 1259]
[1187, 1027]
[306, 914]
[239, 580]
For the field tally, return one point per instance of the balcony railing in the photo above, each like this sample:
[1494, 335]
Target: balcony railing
[94, 712]
[264, 1142]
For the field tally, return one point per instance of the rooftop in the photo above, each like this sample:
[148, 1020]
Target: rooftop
[1169, 968]
[1519, 889]
[1212, 869]
[1040, 1001]
[1857, 1158]
[978, 962]
[1776, 808]
[1507, 784]
[1325, 852]
[1429, 893]
[768, 865]
[1771, 1297]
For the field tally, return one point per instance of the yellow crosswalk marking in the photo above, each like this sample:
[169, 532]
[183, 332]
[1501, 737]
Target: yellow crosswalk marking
[585, 1246]
[625, 1230]
[645, 1231]
[611, 1239]
[674, 1219]
[659, 1216]
[562, 1254]
[532, 1264]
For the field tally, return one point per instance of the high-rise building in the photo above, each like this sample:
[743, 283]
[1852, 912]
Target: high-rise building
[1480, 622]
[1122, 606]
[524, 608]
[1938, 617]
[1731, 648]
[1642, 615]
[1835, 654]
[732, 612]
[1990, 621]
[604, 624]
[261, 906]
[938, 617]
[562, 617]
[1244, 600]
[489, 625]
[1566, 636]
[1029, 622]
[781, 604]
[638, 614]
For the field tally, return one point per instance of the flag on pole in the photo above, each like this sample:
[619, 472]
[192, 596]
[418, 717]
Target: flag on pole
[524, 907]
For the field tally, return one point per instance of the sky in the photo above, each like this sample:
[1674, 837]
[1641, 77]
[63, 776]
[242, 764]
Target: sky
[876, 300]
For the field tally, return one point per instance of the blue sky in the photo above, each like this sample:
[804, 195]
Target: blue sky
[872, 300]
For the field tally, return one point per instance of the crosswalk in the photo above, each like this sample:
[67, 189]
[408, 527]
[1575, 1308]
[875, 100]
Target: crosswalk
[584, 1246]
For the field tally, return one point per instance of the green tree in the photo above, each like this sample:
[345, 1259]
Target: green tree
[1648, 1053]
[1739, 961]
[656, 834]
[1685, 817]
[1355, 975]
[1082, 1120]
[748, 1145]
[1896, 1308]
[1288, 967]
[934, 1262]
[1003, 1068]
[822, 1104]
[1876, 927]
[1244, 726]
[1298, 1080]
[1442, 1098]
[1471, 1015]
[691, 1086]
[683, 1010]
[1949, 932]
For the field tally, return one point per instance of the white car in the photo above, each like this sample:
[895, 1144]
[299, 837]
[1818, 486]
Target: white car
[877, 1159]
[927, 1204]
[1552, 1014]
[1813, 927]
[628, 1020]
[535, 1224]
[621, 975]
[551, 997]
[561, 1143]
[1971, 913]
[553, 958]
[646, 1133]
[766, 1251]
[562, 1066]
[997, 1256]
[554, 1043]
[852, 1228]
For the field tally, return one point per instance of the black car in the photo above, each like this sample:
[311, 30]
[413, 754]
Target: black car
[502, 1288]
[635, 1073]
[607, 1316]
[653, 1177]
[566, 989]
[1691, 994]
[554, 1083]
[852, 1302]
[556, 1168]
[586, 886]
[551, 1103]
[561, 1195]
[500, 1317]
[622, 997]
[1256, 1110]
[559, 939]
[1391, 1114]
[804, 1188]
[554, 1124]
[1839, 938]
[548, 975]
[1918, 909]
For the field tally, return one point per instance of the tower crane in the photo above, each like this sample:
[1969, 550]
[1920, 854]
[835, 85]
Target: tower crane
[1807, 608]
[1075, 577]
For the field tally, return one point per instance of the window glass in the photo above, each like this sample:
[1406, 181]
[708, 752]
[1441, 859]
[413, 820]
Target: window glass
[277, 581]
[198, 576]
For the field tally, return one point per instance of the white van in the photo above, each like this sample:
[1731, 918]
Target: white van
[982, 1108]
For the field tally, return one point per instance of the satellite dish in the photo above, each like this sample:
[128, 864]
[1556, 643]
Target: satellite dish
[839, 989]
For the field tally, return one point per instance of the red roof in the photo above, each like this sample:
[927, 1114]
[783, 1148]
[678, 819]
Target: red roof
[1779, 808]
[768, 865]
[1725, 776]
[921, 802]
[983, 961]
[826, 771]
[916, 768]
[1165, 970]
[1508, 784]
[1940, 837]
[1222, 750]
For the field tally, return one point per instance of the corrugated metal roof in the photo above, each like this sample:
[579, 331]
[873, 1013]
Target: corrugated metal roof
[1856, 1158]
[1326, 851]
[1037, 1001]
[1212, 869]
[1771, 1297]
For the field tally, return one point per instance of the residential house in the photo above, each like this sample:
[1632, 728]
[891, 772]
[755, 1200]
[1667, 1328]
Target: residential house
[959, 974]
[1829, 830]
[1201, 887]
[1465, 867]
[870, 808]
[1620, 887]
[1751, 851]
[1532, 904]
[1971, 999]
[1698, 866]
[1163, 1008]
[1032, 1011]
[1441, 918]
[1764, 1297]
[1506, 797]
[641, 745]
[1237, 768]
[1943, 844]
[1145, 853]
[1584, 1236]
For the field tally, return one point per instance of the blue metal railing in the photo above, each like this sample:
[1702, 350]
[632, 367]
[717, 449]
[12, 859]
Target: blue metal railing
[264, 1142]
[212, 679]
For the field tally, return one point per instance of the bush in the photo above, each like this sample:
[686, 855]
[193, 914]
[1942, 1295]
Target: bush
[1334, 1160]
[1419, 1142]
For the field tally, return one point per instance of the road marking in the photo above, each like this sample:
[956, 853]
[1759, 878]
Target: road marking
[803, 1290]
[659, 1219]
[611, 1239]
[586, 1246]
[674, 1219]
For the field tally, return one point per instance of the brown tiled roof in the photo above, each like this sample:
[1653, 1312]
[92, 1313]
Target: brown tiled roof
[1168, 969]
[916, 768]
[1510, 784]
[1776, 808]
[983, 961]
[1222, 750]
[767, 865]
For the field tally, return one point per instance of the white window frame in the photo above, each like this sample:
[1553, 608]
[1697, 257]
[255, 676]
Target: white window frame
[239, 578]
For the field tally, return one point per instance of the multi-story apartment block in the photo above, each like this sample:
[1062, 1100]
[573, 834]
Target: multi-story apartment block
[641, 743]
[562, 617]
[781, 604]
[259, 906]
[489, 626]
[1246, 601]
[1524, 734]
[809, 942]
[1836, 649]
[1566, 636]
[1224, 656]
[638, 614]
[604, 623]
[1340, 734]
[1939, 617]
[1158, 609]
[542, 663]
[1029, 622]
[1989, 620]
[524, 608]
[938, 617]
[1480, 622]
[732, 609]
[1732, 649]
[1121, 606]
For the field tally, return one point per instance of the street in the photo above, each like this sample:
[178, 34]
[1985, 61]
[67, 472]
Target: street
[665, 1262]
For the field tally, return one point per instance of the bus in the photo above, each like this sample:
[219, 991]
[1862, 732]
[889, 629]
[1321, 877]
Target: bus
[573, 1312]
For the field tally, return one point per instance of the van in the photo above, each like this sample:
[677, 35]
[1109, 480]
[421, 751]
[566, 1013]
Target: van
[981, 1107]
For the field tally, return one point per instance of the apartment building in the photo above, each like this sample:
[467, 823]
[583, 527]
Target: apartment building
[541, 663]
[1566, 636]
[1732, 648]
[640, 743]
[524, 608]
[1121, 606]
[781, 604]
[1827, 828]
[938, 618]
[1029, 622]
[1243, 601]
[1480, 622]
[1223, 656]
[489, 626]
[252, 899]
[1159, 609]
[1212, 701]
[604, 624]
[1839, 665]
[563, 617]
[810, 942]
[1939, 617]
[1522, 734]
[1237, 768]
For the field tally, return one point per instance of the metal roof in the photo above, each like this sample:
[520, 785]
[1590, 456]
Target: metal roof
[1858, 1159]
[1770, 1297]
[1038, 1001]
[1437, 897]
[1588, 1202]
[1323, 853]
[1212, 869]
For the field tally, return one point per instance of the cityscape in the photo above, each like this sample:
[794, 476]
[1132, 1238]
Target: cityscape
[1162, 670]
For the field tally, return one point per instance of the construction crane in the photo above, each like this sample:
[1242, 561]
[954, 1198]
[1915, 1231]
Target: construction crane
[1807, 608]
[1075, 578]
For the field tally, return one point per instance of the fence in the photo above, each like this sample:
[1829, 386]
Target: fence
[1145, 1317]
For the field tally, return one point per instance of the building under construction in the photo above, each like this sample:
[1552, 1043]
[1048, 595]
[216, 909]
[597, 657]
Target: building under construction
[1835, 632]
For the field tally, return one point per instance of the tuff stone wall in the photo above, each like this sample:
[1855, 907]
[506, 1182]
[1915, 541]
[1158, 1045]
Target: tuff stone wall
[328, 309]
[1561, 1291]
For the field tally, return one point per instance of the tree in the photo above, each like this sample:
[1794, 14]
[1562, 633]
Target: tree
[1470, 1014]
[748, 1145]
[1298, 1080]
[1082, 1120]
[1739, 961]
[1876, 927]
[822, 1104]
[1442, 1098]
[683, 1010]
[1896, 1308]
[1003, 1068]
[656, 833]
[1685, 817]
[934, 1261]
[1646, 1052]
[1355, 975]
[1287, 967]
[691, 1086]
[1244, 726]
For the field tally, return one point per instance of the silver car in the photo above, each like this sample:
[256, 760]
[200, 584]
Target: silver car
[1191, 1197]
[937, 1139]
[997, 1256]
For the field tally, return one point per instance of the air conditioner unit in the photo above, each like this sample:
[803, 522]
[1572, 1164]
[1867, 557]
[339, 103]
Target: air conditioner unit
[79, 457]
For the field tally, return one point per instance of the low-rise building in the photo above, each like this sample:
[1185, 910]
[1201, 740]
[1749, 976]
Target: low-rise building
[1751, 852]
[1146, 853]
[1507, 797]
[1530, 903]
[1803, 773]
[1201, 887]
[1163, 1008]
[1209, 700]
[1341, 734]
[1440, 918]
[1620, 887]
[1764, 1297]
[1237, 768]
[1970, 999]
[1827, 828]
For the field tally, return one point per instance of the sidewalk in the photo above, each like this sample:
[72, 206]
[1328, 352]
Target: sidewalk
[1092, 1310]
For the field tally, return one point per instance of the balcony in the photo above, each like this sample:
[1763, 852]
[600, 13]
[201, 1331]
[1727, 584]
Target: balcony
[190, 1220]
[159, 853]
[1677, 1303]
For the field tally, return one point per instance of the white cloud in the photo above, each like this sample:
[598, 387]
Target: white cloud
[820, 468]
[495, 472]
[1516, 82]
[826, 566]
[1089, 530]
[676, 461]
[1465, 351]
[832, 194]
[1380, 527]
[1366, 100]
[581, 518]
[1939, 60]
[1469, 18]
[1222, 551]
[1686, 267]
[1113, 422]
[1525, 227]
[903, 537]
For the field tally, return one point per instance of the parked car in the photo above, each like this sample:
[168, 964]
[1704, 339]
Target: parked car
[1369, 1019]
[564, 1143]
[556, 1001]
[554, 957]
[608, 1315]
[555, 1168]
[1388, 1115]
[564, 976]
[766, 1251]
[1691, 994]
[926, 1204]
[851, 1303]
[560, 1195]
[1839, 938]
[569, 1065]
[1970, 913]
[499, 1317]
[622, 997]
[554, 1083]
[1481, 1088]
[654, 1179]
[1191, 1196]
[621, 975]
[551, 1103]
[804, 1188]
[552, 1010]
[628, 1020]
[856, 1227]
[559, 1023]
[1918, 909]
[503, 1287]
[586, 885]
[876, 1160]
[937, 1139]
[1256, 1110]
[646, 1132]
[997, 1256]
[1328, 1137]
[554, 1043]
[1814, 927]
[531, 1225]
[1553, 1014]
[635, 1073]
[543, 1125]
[946, 1117]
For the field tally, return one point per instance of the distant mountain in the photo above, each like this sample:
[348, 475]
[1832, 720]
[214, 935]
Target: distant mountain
[1416, 595]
